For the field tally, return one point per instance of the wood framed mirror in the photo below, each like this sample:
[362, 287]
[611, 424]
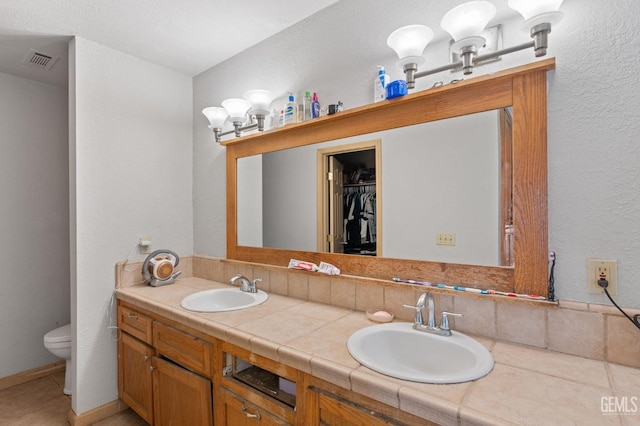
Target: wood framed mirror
[522, 90]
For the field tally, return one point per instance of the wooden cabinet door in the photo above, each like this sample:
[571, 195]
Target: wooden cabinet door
[180, 397]
[134, 375]
[239, 412]
[331, 410]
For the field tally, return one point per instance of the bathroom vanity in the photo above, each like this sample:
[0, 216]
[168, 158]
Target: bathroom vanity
[231, 367]
[178, 367]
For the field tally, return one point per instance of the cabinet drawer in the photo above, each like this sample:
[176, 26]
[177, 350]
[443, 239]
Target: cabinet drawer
[135, 323]
[239, 412]
[189, 351]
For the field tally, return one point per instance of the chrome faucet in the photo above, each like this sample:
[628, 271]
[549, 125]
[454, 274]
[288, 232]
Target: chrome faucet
[245, 284]
[426, 300]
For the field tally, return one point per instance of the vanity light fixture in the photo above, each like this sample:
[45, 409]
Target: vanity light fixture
[465, 23]
[240, 111]
[539, 16]
[217, 116]
[409, 43]
[260, 101]
[237, 109]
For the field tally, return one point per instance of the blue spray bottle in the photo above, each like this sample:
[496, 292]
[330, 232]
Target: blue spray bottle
[315, 106]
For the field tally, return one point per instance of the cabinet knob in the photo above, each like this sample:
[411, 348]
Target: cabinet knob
[146, 358]
[134, 316]
[248, 414]
[151, 367]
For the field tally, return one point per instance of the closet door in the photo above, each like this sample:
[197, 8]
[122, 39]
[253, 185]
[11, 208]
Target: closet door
[336, 206]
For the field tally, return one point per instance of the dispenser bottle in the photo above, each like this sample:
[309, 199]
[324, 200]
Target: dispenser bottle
[380, 85]
[289, 111]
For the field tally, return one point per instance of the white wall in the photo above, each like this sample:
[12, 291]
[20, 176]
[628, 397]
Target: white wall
[34, 220]
[131, 166]
[594, 99]
[443, 177]
[250, 201]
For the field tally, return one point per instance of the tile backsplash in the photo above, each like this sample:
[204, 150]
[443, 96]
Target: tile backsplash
[589, 330]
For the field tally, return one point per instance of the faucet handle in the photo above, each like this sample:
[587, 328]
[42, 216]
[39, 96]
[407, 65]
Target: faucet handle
[254, 285]
[418, 308]
[444, 323]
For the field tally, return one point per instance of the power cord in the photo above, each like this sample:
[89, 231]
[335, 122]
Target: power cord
[129, 268]
[113, 324]
[604, 284]
[552, 289]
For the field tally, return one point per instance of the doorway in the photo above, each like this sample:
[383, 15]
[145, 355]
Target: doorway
[349, 199]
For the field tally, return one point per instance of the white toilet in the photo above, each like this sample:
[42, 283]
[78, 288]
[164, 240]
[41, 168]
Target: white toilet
[58, 342]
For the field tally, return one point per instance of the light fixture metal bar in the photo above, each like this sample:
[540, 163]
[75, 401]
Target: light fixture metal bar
[241, 129]
[450, 66]
[477, 60]
[505, 51]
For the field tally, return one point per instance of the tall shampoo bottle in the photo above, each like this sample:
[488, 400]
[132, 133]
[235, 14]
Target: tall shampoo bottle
[290, 111]
[380, 85]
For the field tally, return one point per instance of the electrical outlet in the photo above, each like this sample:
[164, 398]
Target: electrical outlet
[607, 269]
[145, 245]
[445, 239]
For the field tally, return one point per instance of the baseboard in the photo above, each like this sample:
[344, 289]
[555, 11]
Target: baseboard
[34, 374]
[99, 413]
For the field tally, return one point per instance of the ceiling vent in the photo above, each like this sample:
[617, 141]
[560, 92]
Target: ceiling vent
[40, 60]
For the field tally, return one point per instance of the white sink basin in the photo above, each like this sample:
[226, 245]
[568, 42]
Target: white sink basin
[223, 299]
[399, 351]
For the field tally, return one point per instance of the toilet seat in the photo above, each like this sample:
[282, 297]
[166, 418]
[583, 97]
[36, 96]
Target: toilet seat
[58, 338]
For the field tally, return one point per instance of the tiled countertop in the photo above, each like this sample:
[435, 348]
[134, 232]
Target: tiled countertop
[527, 386]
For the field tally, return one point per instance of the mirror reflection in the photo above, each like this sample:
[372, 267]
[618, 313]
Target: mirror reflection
[443, 189]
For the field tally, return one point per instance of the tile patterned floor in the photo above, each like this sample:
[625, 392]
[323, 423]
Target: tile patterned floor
[42, 403]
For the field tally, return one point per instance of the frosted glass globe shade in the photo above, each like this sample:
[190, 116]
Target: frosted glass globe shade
[237, 108]
[216, 116]
[260, 100]
[468, 19]
[528, 8]
[410, 41]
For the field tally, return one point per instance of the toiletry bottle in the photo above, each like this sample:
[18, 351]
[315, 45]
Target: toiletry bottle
[281, 118]
[300, 113]
[307, 106]
[315, 106]
[289, 111]
[380, 85]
